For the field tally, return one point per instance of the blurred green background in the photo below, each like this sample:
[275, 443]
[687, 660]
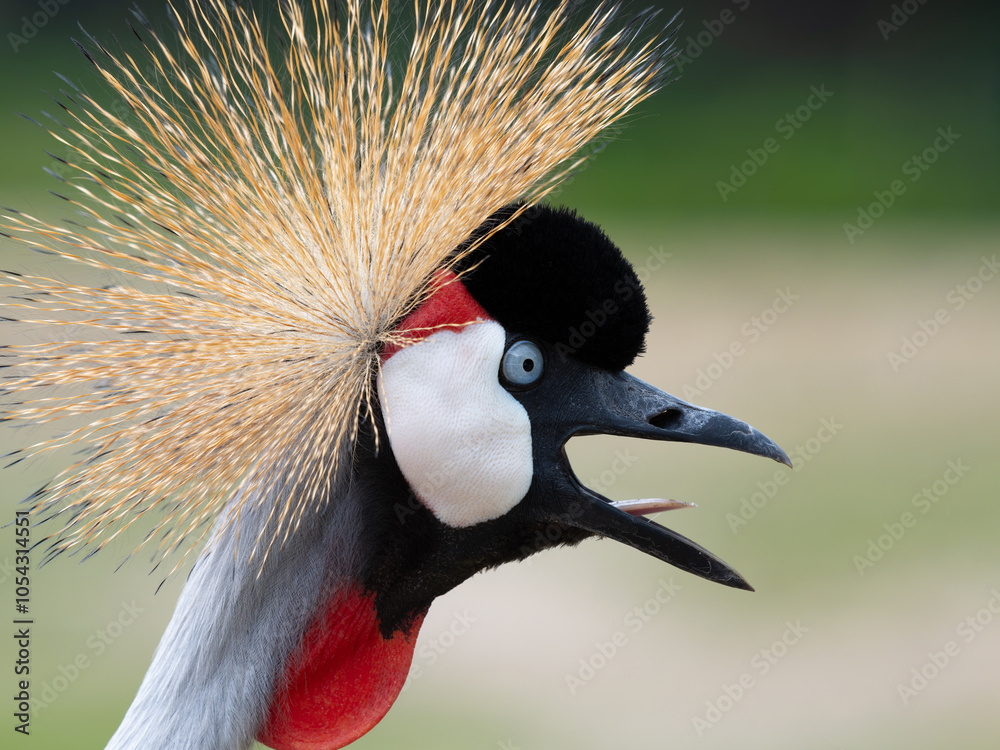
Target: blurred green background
[732, 189]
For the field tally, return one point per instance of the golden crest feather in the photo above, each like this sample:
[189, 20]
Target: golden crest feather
[267, 218]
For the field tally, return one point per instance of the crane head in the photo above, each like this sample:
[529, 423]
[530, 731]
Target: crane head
[509, 358]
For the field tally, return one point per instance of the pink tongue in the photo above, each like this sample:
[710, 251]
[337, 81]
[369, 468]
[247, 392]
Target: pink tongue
[342, 681]
[649, 506]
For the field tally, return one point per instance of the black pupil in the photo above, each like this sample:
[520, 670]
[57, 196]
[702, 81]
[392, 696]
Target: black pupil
[528, 365]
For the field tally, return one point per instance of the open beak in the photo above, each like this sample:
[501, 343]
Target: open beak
[601, 402]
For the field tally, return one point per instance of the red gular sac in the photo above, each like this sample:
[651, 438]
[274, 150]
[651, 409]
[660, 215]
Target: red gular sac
[342, 680]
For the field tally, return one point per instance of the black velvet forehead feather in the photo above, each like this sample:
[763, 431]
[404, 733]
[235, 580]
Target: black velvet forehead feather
[552, 275]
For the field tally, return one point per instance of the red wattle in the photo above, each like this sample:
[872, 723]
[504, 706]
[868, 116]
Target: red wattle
[450, 307]
[342, 680]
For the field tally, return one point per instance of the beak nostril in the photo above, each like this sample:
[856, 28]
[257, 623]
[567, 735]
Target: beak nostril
[667, 419]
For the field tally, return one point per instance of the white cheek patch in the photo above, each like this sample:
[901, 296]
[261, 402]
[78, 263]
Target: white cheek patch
[462, 441]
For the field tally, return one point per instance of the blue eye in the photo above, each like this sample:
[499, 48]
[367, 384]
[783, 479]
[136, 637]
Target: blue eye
[522, 364]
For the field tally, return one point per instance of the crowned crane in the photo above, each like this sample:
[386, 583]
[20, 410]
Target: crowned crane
[339, 343]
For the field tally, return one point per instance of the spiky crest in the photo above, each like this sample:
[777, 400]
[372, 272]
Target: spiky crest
[267, 217]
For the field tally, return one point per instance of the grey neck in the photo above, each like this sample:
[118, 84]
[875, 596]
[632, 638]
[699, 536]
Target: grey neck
[214, 672]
